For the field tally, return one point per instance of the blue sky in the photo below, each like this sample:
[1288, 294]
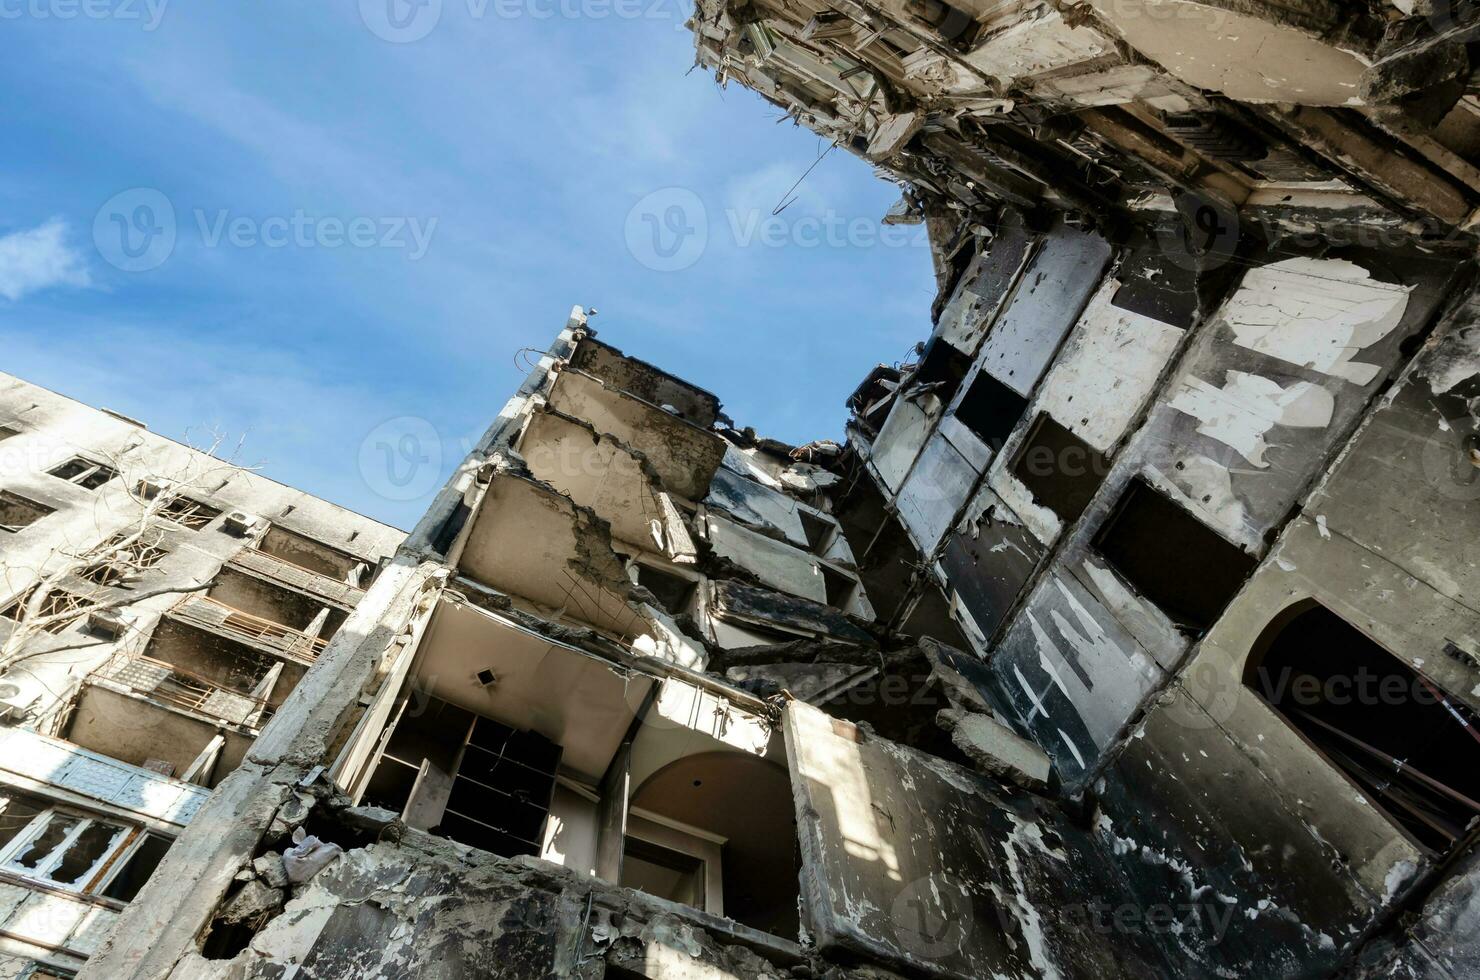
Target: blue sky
[367, 230]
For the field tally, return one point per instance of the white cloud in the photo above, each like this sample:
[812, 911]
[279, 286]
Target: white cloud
[38, 259]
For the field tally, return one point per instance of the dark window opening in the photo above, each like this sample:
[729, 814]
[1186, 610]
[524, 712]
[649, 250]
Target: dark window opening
[840, 588]
[818, 532]
[673, 591]
[189, 514]
[502, 790]
[6, 432]
[945, 365]
[1414, 751]
[16, 814]
[1061, 470]
[18, 513]
[1186, 568]
[137, 869]
[67, 606]
[119, 559]
[991, 410]
[85, 473]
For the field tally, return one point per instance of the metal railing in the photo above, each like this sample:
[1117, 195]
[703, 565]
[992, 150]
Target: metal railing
[185, 689]
[234, 622]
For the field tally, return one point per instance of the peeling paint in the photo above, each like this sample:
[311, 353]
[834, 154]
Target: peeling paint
[1248, 406]
[1316, 313]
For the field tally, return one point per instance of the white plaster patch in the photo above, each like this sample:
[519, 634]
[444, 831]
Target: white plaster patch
[1316, 313]
[1321, 526]
[1241, 413]
[1398, 875]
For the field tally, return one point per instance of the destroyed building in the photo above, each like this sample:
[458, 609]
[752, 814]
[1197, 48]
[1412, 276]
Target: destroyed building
[158, 605]
[1131, 632]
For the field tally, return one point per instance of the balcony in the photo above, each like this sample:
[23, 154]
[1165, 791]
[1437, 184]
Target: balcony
[214, 616]
[294, 576]
[190, 691]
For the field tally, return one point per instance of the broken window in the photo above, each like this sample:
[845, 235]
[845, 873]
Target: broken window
[674, 591]
[57, 603]
[189, 514]
[75, 850]
[1413, 750]
[502, 789]
[121, 558]
[86, 473]
[944, 365]
[1187, 569]
[1061, 470]
[840, 587]
[17, 513]
[991, 410]
[819, 532]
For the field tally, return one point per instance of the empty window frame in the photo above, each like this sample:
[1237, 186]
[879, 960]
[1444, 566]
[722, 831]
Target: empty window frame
[1413, 750]
[86, 473]
[840, 588]
[189, 514]
[18, 513]
[67, 606]
[944, 365]
[675, 592]
[1060, 470]
[1171, 558]
[990, 409]
[121, 558]
[818, 531]
[74, 850]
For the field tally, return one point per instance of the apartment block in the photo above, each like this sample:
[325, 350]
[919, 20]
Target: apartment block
[157, 605]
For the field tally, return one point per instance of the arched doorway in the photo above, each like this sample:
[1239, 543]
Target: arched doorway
[746, 801]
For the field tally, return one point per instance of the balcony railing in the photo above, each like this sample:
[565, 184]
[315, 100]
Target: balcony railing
[296, 576]
[224, 619]
[174, 685]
